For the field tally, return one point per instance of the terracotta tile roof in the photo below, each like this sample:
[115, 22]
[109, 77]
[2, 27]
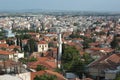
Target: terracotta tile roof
[87, 79]
[48, 72]
[8, 63]
[102, 49]
[13, 46]
[94, 44]
[49, 63]
[42, 42]
[107, 62]
[32, 33]
[80, 39]
[115, 58]
[71, 43]
[5, 52]
[3, 45]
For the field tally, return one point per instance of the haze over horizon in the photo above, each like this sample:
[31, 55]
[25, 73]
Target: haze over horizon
[75, 5]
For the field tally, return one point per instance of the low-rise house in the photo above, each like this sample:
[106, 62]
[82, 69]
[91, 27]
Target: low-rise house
[7, 55]
[2, 41]
[48, 62]
[9, 33]
[48, 72]
[4, 45]
[9, 66]
[13, 47]
[42, 46]
[106, 67]
[97, 52]
[9, 77]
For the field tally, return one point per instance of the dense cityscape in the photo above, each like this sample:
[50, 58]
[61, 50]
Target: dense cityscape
[59, 40]
[59, 47]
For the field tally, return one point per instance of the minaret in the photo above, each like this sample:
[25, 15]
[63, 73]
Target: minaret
[59, 48]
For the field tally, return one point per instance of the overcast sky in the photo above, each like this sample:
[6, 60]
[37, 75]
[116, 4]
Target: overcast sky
[79, 5]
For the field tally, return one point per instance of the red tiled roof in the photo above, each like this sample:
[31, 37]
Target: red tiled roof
[104, 49]
[94, 44]
[3, 45]
[8, 63]
[42, 42]
[32, 33]
[49, 63]
[114, 58]
[5, 52]
[48, 72]
[107, 61]
[13, 46]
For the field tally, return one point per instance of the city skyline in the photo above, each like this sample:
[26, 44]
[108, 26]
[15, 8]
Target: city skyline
[76, 5]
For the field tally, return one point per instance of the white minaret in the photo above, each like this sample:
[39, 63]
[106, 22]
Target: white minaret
[59, 48]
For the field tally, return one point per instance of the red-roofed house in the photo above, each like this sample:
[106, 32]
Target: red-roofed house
[2, 41]
[48, 72]
[8, 55]
[106, 66]
[48, 62]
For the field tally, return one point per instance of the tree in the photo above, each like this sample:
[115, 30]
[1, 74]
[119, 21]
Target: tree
[10, 42]
[23, 60]
[59, 70]
[31, 44]
[73, 62]
[18, 41]
[114, 43]
[85, 45]
[74, 35]
[16, 49]
[26, 48]
[86, 41]
[87, 58]
[21, 44]
[76, 24]
[37, 78]
[32, 59]
[78, 67]
[69, 56]
[40, 67]
[46, 77]
[117, 78]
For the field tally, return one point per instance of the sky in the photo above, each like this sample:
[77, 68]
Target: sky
[76, 5]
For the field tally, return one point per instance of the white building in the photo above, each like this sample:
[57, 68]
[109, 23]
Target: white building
[42, 46]
[6, 55]
[9, 77]
[9, 33]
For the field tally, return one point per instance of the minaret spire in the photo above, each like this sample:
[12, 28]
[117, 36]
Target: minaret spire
[59, 48]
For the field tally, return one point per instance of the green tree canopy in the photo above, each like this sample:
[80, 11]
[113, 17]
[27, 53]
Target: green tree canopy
[69, 56]
[40, 67]
[114, 43]
[31, 44]
[46, 77]
[73, 62]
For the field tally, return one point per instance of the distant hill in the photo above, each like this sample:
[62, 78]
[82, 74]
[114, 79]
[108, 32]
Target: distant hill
[59, 12]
